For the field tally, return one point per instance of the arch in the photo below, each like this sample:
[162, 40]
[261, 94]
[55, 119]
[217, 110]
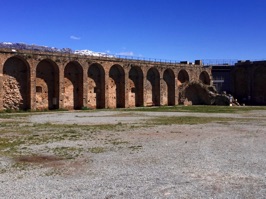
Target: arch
[135, 87]
[169, 79]
[153, 87]
[96, 86]
[73, 86]
[47, 81]
[182, 77]
[258, 89]
[116, 85]
[16, 84]
[205, 78]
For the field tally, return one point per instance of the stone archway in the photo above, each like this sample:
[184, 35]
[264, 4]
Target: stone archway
[205, 78]
[153, 87]
[16, 84]
[96, 86]
[135, 87]
[47, 85]
[116, 87]
[182, 77]
[169, 78]
[73, 86]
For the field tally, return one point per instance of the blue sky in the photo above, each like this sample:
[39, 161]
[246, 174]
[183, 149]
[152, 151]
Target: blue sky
[161, 29]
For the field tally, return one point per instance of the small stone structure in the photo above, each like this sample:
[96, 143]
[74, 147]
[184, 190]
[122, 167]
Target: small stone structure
[51, 80]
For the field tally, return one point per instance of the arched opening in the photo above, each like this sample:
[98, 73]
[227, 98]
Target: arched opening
[169, 78]
[182, 77]
[16, 84]
[96, 86]
[259, 81]
[116, 87]
[153, 87]
[205, 78]
[135, 87]
[47, 82]
[73, 86]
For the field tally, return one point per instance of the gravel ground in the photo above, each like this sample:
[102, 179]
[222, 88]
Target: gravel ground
[214, 160]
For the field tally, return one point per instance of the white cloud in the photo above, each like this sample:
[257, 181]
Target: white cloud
[74, 37]
[125, 53]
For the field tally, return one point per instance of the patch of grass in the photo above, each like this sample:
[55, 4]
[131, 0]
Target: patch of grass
[118, 142]
[186, 120]
[108, 127]
[9, 145]
[3, 171]
[67, 152]
[97, 150]
[199, 109]
[20, 166]
[85, 108]
[138, 147]
[9, 115]
[53, 172]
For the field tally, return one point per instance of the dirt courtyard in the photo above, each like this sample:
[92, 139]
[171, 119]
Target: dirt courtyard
[133, 154]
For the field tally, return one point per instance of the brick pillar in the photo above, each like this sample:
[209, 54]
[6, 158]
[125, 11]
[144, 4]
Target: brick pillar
[106, 72]
[61, 85]
[33, 65]
[141, 82]
[145, 87]
[176, 91]
[85, 69]
[1, 83]
[162, 88]
[176, 88]
[126, 87]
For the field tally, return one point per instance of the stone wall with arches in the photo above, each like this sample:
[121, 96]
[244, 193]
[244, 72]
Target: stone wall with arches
[41, 80]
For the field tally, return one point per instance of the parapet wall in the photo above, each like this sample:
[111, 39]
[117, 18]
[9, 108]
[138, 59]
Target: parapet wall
[40, 80]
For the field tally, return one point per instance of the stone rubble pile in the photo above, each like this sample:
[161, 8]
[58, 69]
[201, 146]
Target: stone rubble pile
[12, 98]
[197, 93]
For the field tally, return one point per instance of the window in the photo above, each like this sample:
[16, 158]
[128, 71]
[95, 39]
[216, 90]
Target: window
[38, 89]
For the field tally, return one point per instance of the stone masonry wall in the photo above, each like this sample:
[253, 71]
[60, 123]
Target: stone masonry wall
[52, 80]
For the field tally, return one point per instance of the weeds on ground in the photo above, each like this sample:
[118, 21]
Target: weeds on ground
[96, 150]
[198, 109]
[17, 135]
[185, 120]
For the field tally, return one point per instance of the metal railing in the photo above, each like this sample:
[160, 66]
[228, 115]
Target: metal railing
[225, 62]
[34, 49]
[43, 50]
